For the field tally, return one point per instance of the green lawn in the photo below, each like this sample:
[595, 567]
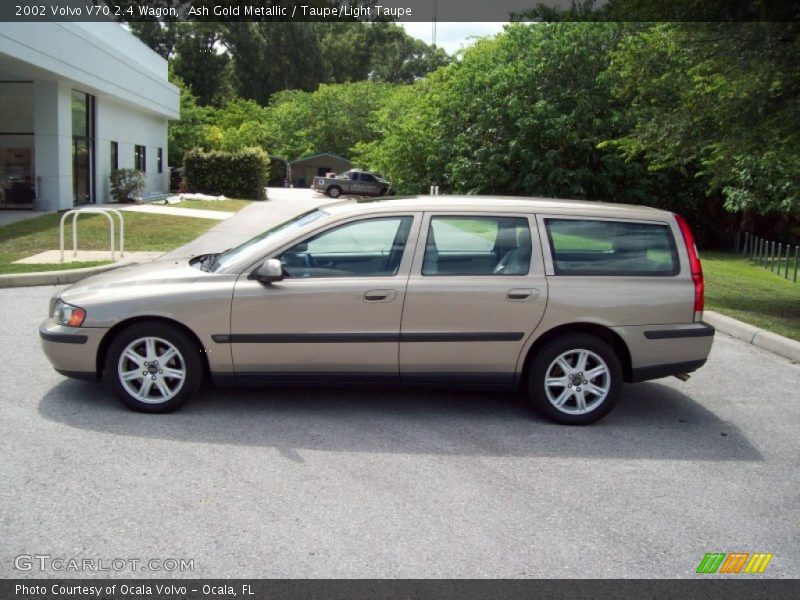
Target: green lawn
[145, 232]
[223, 205]
[739, 289]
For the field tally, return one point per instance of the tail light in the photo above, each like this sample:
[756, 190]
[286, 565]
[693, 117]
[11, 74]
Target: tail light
[694, 265]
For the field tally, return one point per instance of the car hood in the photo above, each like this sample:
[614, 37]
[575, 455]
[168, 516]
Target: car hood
[171, 271]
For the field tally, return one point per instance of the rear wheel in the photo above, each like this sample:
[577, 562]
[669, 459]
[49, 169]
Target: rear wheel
[575, 379]
[334, 191]
[153, 367]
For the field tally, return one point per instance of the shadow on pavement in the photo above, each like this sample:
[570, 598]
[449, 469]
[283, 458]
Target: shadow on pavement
[651, 421]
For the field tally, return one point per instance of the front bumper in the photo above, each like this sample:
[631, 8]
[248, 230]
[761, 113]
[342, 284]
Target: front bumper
[71, 350]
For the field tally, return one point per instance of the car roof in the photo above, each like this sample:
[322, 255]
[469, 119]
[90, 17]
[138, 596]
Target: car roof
[496, 204]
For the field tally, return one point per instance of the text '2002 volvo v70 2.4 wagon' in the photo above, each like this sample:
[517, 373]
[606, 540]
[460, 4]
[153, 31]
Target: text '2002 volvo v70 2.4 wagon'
[565, 299]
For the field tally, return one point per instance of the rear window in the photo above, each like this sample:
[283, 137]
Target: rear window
[593, 247]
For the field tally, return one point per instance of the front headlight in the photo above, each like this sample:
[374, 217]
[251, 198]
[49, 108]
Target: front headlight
[66, 314]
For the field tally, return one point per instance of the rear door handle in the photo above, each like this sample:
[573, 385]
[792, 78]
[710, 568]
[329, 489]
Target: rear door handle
[522, 294]
[380, 295]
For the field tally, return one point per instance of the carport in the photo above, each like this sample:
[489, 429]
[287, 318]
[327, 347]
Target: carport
[302, 171]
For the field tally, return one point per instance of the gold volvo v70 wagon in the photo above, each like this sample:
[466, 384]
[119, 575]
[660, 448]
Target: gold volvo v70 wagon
[565, 299]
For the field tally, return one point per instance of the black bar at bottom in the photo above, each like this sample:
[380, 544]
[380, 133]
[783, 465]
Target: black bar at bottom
[731, 587]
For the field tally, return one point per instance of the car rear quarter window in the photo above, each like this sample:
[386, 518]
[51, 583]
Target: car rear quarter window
[605, 247]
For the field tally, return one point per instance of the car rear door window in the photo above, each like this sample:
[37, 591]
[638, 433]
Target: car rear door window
[365, 248]
[465, 245]
[605, 247]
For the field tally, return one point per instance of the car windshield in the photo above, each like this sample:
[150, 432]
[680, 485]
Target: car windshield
[253, 247]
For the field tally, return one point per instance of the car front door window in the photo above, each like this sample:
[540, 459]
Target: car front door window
[365, 248]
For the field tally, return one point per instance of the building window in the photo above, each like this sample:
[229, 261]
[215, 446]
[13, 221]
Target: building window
[114, 156]
[82, 147]
[160, 160]
[139, 159]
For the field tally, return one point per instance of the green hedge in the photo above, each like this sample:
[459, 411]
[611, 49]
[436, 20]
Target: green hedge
[240, 174]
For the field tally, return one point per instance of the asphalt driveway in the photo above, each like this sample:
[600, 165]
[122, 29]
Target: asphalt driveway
[398, 483]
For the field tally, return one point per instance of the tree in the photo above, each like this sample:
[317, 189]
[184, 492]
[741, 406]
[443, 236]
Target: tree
[160, 37]
[201, 61]
[269, 57]
[242, 124]
[396, 57]
[410, 145]
[193, 129]
[722, 99]
[332, 119]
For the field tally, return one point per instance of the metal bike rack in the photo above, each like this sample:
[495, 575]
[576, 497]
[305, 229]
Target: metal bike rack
[94, 211]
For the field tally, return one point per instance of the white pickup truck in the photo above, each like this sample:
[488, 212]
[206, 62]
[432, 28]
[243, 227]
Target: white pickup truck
[353, 181]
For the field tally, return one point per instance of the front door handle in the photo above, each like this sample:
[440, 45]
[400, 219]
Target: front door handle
[380, 295]
[522, 294]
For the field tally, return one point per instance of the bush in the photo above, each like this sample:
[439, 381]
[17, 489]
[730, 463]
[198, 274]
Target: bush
[126, 184]
[240, 174]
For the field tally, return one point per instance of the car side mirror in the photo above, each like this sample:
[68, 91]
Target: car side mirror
[270, 271]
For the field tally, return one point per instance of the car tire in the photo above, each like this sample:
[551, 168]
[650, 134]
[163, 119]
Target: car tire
[383, 192]
[575, 379]
[334, 191]
[153, 367]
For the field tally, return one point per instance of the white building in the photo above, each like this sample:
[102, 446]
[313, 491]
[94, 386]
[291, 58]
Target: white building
[76, 101]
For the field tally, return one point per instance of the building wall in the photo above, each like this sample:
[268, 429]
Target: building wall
[52, 117]
[128, 127]
[103, 57]
[133, 102]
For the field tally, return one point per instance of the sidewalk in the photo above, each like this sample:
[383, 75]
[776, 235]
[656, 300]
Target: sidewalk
[9, 216]
[283, 204]
[777, 344]
[174, 211]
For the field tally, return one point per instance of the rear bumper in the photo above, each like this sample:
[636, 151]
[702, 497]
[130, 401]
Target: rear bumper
[658, 371]
[71, 350]
[663, 350]
[695, 330]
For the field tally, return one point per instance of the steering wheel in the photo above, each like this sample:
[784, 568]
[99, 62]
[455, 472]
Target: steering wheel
[501, 266]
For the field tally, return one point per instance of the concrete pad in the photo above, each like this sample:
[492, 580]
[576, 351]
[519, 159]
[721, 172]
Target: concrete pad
[778, 344]
[52, 257]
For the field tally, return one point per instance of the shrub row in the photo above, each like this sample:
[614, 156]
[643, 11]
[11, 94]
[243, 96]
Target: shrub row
[240, 174]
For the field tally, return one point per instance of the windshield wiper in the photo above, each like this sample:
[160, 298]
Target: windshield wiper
[207, 261]
[212, 258]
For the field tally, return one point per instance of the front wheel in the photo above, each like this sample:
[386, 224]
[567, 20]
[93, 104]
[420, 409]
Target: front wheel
[153, 367]
[575, 379]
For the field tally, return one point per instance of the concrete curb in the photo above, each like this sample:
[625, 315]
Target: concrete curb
[55, 277]
[777, 344]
